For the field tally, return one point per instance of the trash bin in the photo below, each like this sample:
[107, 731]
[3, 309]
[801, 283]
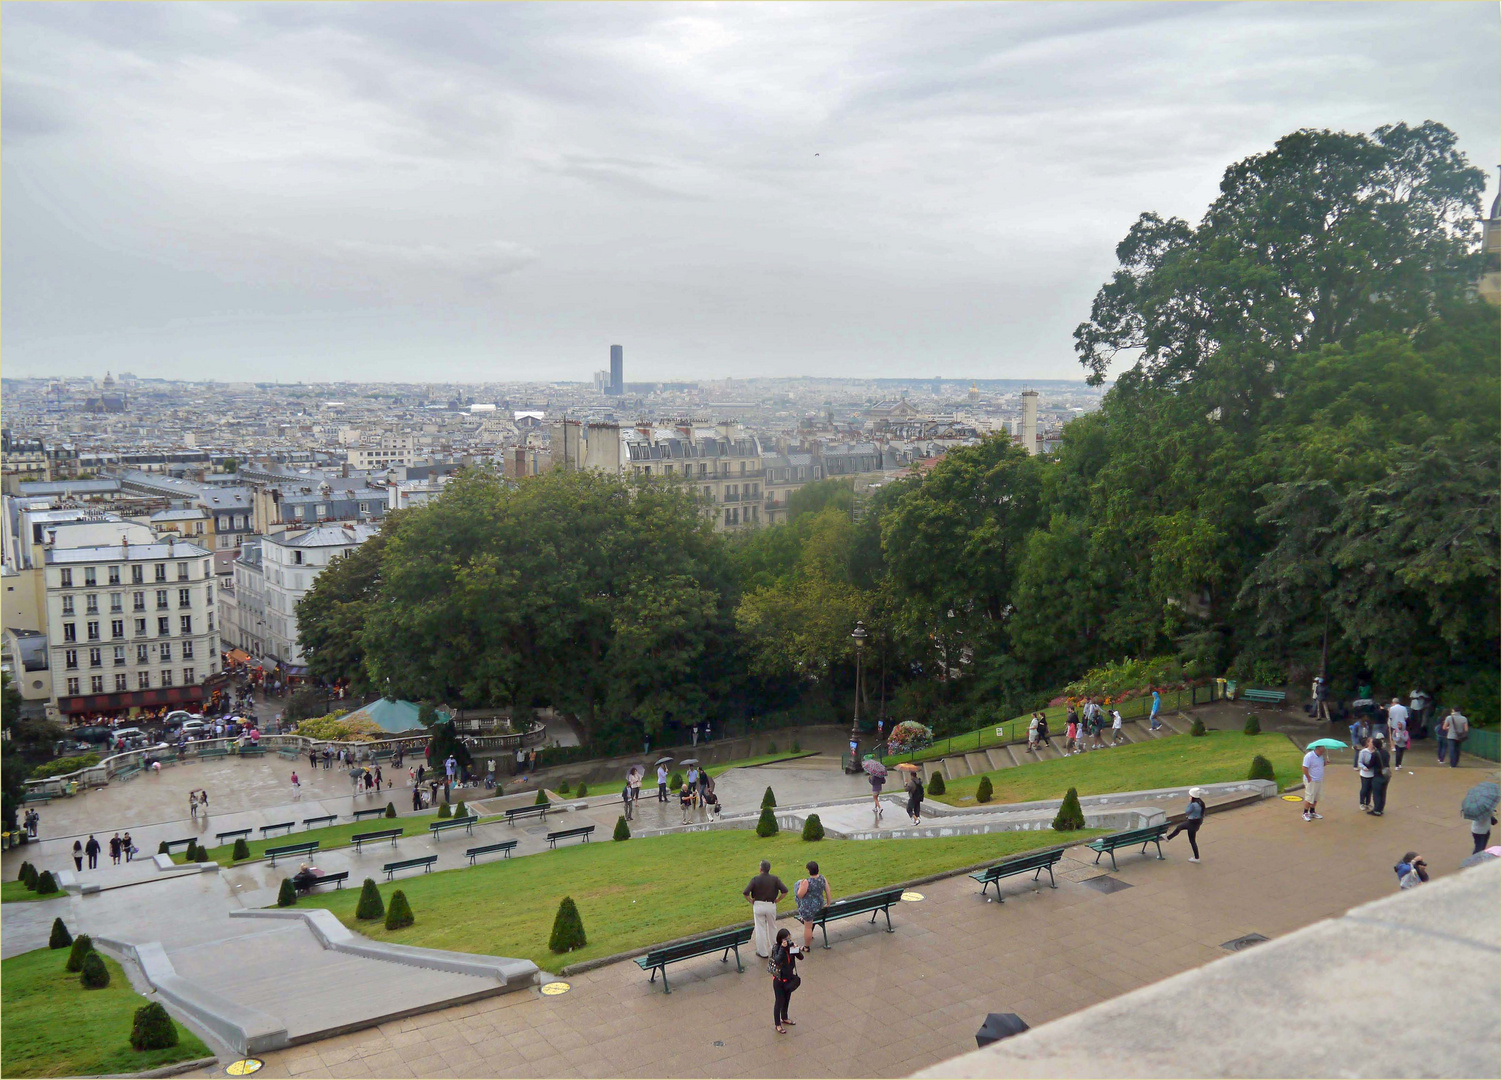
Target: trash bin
[71, 787]
[1230, 689]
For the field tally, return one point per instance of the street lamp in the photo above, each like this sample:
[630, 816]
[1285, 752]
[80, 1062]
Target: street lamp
[859, 635]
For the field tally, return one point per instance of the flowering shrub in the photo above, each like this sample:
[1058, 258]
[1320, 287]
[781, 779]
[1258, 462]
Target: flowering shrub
[908, 736]
[341, 728]
[1125, 679]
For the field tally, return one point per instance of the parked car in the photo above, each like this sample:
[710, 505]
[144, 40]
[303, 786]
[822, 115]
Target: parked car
[129, 738]
[94, 733]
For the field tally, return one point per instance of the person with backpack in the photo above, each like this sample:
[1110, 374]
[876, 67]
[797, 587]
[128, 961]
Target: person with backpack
[784, 968]
[1456, 728]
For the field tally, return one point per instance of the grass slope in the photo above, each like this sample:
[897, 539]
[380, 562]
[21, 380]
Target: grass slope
[765, 759]
[54, 1027]
[16, 892]
[644, 891]
[1172, 761]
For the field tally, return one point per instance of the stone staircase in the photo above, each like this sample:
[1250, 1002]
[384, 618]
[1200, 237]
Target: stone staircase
[992, 758]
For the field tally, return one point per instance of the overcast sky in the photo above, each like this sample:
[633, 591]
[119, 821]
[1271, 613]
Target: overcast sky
[502, 191]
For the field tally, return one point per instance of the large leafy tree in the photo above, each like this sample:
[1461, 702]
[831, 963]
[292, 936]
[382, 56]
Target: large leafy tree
[331, 617]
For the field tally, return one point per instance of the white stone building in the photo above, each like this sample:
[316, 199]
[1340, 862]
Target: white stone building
[290, 562]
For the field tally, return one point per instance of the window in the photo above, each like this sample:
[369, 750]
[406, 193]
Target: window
[120, 684]
[161, 571]
[70, 631]
[182, 571]
[137, 574]
[141, 657]
[140, 628]
[364, 508]
[114, 575]
[163, 626]
[165, 652]
[138, 601]
[184, 598]
[208, 594]
[89, 576]
[91, 602]
[207, 563]
[187, 650]
[70, 659]
[72, 686]
[96, 658]
[297, 557]
[117, 628]
[93, 631]
[67, 605]
[161, 599]
[297, 511]
[166, 676]
[188, 676]
[211, 622]
[143, 680]
[119, 655]
[743, 468]
[117, 601]
[67, 579]
[321, 510]
[187, 623]
[96, 684]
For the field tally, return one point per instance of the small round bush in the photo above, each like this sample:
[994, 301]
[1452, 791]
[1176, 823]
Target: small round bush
[82, 946]
[445, 811]
[399, 912]
[60, 938]
[46, 883]
[1198, 727]
[1261, 769]
[1070, 816]
[542, 798]
[242, 849]
[675, 782]
[391, 810]
[984, 790]
[767, 798]
[583, 789]
[152, 1028]
[622, 830]
[936, 783]
[1253, 726]
[370, 905]
[813, 828]
[568, 928]
[95, 975]
[563, 788]
[286, 896]
[766, 825]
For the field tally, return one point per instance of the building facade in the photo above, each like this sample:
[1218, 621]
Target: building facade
[290, 562]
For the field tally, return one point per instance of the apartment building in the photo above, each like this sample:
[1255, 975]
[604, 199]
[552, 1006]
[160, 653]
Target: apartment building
[290, 562]
[723, 464]
[784, 474]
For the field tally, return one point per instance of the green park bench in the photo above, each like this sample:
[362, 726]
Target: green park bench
[170, 844]
[374, 837]
[424, 861]
[540, 810]
[129, 772]
[564, 834]
[475, 852]
[212, 751]
[277, 825]
[1037, 862]
[288, 753]
[1263, 697]
[727, 942]
[361, 815]
[336, 880]
[231, 833]
[465, 823]
[253, 751]
[292, 850]
[38, 797]
[322, 819]
[876, 903]
[1103, 845]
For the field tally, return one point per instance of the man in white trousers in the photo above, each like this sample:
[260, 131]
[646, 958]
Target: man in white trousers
[763, 893]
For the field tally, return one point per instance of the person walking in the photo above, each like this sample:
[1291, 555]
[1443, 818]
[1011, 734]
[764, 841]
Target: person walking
[127, 846]
[1117, 736]
[1314, 777]
[686, 796]
[785, 980]
[1320, 692]
[877, 783]
[762, 893]
[77, 855]
[1397, 713]
[915, 799]
[1455, 727]
[1481, 831]
[1153, 722]
[115, 850]
[92, 850]
[193, 805]
[1194, 817]
[416, 796]
[1032, 734]
[1400, 732]
[296, 787]
[1418, 713]
[662, 783]
[1071, 733]
[813, 896]
[1380, 775]
[1364, 758]
[312, 758]
[695, 736]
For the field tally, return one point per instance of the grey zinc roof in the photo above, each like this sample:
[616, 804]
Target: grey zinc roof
[324, 536]
[124, 552]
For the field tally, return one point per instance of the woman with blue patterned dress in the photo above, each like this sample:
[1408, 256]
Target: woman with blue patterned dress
[813, 897]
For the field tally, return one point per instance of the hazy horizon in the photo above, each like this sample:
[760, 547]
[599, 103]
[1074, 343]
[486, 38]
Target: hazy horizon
[498, 193]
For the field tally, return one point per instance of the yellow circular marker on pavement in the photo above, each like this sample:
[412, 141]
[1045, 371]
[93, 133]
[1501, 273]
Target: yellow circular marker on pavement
[553, 989]
[243, 1067]
[912, 897]
[1293, 798]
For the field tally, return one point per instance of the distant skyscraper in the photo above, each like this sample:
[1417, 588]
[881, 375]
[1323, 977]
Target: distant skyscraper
[617, 371]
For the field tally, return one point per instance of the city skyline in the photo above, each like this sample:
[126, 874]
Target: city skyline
[488, 194]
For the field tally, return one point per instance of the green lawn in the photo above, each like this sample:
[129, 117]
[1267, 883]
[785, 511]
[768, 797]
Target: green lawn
[644, 891]
[54, 1027]
[15, 892]
[333, 836]
[765, 759]
[1172, 761]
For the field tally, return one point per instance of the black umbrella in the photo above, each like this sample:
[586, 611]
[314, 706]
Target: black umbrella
[999, 1026]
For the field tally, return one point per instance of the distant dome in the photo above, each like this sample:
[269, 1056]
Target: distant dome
[109, 380]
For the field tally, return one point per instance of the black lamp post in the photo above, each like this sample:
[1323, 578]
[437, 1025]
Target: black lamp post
[859, 634]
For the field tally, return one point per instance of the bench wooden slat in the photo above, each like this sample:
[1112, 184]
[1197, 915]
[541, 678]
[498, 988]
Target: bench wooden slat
[1107, 845]
[338, 880]
[232, 832]
[540, 810]
[275, 853]
[475, 852]
[1037, 862]
[174, 843]
[727, 942]
[876, 903]
[361, 815]
[373, 837]
[279, 825]
[424, 861]
[307, 822]
[564, 834]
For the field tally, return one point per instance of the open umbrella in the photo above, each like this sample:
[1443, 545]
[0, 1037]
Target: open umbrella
[689, 761]
[1481, 800]
[1333, 744]
[874, 767]
[1483, 856]
[663, 761]
[636, 770]
[908, 766]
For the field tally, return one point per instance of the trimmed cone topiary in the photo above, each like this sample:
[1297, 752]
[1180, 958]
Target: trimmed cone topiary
[936, 783]
[984, 790]
[23, 875]
[675, 781]
[242, 849]
[1070, 817]
[286, 896]
[152, 1029]
[813, 828]
[563, 788]
[542, 798]
[767, 798]
[391, 810]
[766, 825]
[370, 905]
[568, 928]
[583, 789]
[190, 853]
[622, 830]
[1261, 769]
[445, 811]
[1198, 727]
[46, 883]
[82, 946]
[1253, 726]
[461, 810]
[399, 912]
[60, 938]
[95, 975]
[163, 849]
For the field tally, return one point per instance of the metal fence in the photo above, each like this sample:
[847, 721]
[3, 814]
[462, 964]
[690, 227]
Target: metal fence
[1484, 744]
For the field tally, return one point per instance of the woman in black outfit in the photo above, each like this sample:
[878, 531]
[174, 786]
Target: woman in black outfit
[784, 978]
[915, 799]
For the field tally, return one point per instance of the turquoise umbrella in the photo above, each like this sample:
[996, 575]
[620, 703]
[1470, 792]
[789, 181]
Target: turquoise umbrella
[1333, 744]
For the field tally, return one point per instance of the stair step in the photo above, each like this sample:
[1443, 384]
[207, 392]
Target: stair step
[999, 758]
[956, 767]
[1175, 725]
[978, 763]
[1013, 753]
